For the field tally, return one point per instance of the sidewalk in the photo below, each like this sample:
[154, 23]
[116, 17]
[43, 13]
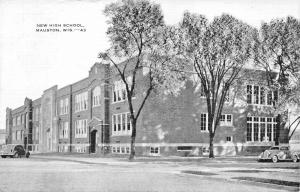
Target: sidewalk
[110, 157]
[233, 169]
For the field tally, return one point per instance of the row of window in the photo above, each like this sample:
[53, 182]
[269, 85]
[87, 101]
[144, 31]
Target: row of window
[19, 120]
[121, 124]
[63, 148]
[18, 135]
[225, 120]
[81, 148]
[261, 129]
[81, 101]
[126, 150]
[203, 95]
[81, 128]
[120, 150]
[259, 95]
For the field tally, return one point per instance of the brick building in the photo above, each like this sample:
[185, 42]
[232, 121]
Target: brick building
[92, 116]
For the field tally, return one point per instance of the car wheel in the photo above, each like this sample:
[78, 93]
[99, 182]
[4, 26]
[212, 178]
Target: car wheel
[295, 158]
[16, 155]
[275, 159]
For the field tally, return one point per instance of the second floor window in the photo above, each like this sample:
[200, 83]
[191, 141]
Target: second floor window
[258, 95]
[81, 101]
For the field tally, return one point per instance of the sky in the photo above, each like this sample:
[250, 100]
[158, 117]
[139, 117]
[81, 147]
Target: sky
[31, 62]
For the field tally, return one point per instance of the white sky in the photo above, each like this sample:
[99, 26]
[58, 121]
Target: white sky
[31, 62]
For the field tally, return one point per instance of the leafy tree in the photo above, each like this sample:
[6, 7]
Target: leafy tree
[218, 51]
[277, 49]
[140, 38]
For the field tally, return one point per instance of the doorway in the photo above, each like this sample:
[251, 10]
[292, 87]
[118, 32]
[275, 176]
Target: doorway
[93, 141]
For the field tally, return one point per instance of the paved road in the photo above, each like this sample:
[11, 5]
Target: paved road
[86, 174]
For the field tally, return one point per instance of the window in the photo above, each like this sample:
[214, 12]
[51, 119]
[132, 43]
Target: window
[256, 95]
[63, 106]
[274, 148]
[37, 133]
[80, 148]
[64, 130]
[261, 129]
[22, 119]
[81, 128]
[259, 96]
[204, 122]
[19, 120]
[14, 121]
[184, 148]
[18, 136]
[119, 90]
[249, 94]
[226, 120]
[154, 151]
[229, 139]
[120, 149]
[96, 96]
[81, 101]
[121, 124]
[262, 96]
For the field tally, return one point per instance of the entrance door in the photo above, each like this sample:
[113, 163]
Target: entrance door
[93, 141]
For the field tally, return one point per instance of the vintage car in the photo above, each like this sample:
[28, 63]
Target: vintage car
[13, 151]
[279, 153]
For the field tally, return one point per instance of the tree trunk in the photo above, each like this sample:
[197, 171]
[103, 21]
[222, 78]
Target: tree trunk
[211, 147]
[132, 145]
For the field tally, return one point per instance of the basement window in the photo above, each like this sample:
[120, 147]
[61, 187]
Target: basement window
[154, 151]
[184, 148]
[229, 139]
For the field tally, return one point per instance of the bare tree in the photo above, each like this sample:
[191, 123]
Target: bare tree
[140, 38]
[277, 49]
[218, 51]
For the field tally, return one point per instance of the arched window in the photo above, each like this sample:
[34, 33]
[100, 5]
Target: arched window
[96, 96]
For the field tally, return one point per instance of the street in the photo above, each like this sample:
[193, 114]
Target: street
[57, 173]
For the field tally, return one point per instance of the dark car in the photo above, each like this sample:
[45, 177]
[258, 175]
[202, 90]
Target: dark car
[278, 153]
[13, 151]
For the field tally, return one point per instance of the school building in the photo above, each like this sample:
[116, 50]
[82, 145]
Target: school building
[92, 116]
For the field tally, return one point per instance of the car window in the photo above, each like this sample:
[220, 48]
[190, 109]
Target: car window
[274, 148]
[284, 148]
